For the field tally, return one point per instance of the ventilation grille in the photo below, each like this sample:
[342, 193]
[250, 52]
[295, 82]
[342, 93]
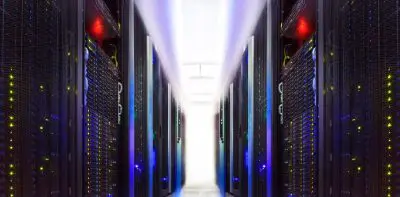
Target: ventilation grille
[300, 128]
[101, 119]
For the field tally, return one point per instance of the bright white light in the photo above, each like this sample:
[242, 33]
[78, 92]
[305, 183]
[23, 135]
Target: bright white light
[200, 147]
[194, 34]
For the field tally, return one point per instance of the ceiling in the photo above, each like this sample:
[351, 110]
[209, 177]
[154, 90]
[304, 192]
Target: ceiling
[200, 42]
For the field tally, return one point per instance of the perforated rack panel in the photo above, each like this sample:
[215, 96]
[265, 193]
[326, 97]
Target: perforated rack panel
[32, 146]
[300, 127]
[140, 108]
[101, 119]
[363, 58]
[260, 107]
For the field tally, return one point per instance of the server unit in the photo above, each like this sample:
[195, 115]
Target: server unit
[37, 64]
[168, 132]
[101, 88]
[140, 105]
[159, 123]
[361, 48]
[232, 146]
[298, 88]
[222, 126]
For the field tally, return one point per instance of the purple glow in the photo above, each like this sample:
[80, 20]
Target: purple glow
[159, 22]
[242, 21]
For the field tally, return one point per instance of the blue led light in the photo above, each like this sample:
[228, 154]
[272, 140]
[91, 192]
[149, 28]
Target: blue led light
[262, 168]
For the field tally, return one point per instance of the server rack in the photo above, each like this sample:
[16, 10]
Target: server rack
[166, 123]
[234, 152]
[38, 47]
[298, 107]
[231, 125]
[177, 146]
[362, 70]
[140, 105]
[260, 108]
[222, 145]
[101, 88]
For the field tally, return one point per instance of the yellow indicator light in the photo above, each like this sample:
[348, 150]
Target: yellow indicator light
[389, 117]
[41, 87]
[11, 76]
[11, 165]
[389, 125]
[359, 127]
[389, 99]
[353, 159]
[389, 165]
[11, 173]
[359, 168]
[11, 125]
[11, 147]
[389, 84]
[41, 168]
[11, 84]
[11, 92]
[68, 88]
[389, 92]
[69, 54]
[11, 99]
[390, 147]
[389, 173]
[389, 76]
[41, 127]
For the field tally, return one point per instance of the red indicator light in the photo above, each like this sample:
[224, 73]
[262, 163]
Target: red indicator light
[98, 28]
[303, 28]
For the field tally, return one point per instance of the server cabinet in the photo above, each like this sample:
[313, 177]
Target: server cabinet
[140, 105]
[298, 89]
[222, 145]
[231, 125]
[38, 47]
[260, 107]
[101, 88]
[177, 146]
[162, 131]
[361, 48]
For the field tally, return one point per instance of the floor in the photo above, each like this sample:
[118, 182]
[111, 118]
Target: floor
[199, 192]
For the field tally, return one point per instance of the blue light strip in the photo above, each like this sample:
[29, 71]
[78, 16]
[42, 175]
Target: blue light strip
[169, 140]
[150, 136]
[231, 138]
[250, 130]
[222, 150]
[131, 102]
[269, 128]
[179, 152]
